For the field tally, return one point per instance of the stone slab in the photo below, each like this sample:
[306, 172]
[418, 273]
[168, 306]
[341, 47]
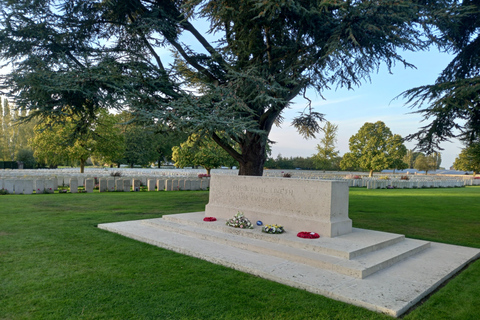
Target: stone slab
[392, 291]
[119, 184]
[299, 204]
[27, 186]
[290, 247]
[73, 185]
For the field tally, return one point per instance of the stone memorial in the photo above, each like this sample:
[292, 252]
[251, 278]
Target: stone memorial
[9, 186]
[299, 204]
[73, 185]
[39, 185]
[27, 186]
[127, 185]
[89, 184]
[169, 185]
[175, 185]
[136, 184]
[111, 185]
[204, 184]
[195, 184]
[160, 184]
[102, 185]
[151, 184]
[18, 186]
[119, 184]
[50, 185]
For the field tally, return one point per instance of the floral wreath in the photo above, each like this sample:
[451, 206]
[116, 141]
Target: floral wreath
[239, 221]
[209, 219]
[272, 228]
[308, 235]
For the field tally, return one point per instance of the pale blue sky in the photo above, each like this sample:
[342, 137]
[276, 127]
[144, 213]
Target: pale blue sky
[350, 109]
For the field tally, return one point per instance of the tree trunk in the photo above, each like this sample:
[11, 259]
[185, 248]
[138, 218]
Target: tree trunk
[208, 170]
[370, 174]
[82, 165]
[253, 155]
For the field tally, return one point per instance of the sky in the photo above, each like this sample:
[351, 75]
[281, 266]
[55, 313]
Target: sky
[371, 102]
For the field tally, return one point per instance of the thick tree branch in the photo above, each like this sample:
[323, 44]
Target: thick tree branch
[237, 156]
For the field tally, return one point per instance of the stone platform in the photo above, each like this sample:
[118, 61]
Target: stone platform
[379, 271]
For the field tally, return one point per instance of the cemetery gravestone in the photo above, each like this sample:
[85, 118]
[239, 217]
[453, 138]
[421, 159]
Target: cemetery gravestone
[9, 186]
[111, 185]
[18, 186]
[136, 184]
[89, 184]
[102, 185]
[119, 184]
[50, 185]
[39, 185]
[73, 185]
[168, 185]
[127, 184]
[27, 186]
[160, 184]
[151, 184]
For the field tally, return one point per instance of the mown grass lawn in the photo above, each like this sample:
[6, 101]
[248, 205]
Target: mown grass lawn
[55, 263]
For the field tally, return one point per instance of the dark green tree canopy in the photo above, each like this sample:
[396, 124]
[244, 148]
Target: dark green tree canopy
[86, 55]
[452, 104]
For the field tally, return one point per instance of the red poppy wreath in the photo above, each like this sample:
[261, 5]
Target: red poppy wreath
[308, 235]
[209, 219]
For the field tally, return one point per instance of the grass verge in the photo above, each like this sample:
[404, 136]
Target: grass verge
[54, 263]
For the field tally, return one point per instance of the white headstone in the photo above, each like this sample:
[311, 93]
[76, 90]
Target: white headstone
[111, 185]
[136, 184]
[102, 185]
[127, 185]
[160, 184]
[119, 184]
[27, 186]
[18, 186]
[89, 184]
[39, 186]
[73, 185]
[151, 184]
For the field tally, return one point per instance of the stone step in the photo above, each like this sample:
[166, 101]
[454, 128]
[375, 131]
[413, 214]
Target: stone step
[358, 267]
[392, 290]
[348, 246]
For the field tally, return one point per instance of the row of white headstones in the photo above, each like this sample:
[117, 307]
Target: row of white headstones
[50, 185]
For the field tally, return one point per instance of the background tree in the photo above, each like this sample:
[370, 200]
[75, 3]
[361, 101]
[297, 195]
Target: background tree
[27, 157]
[14, 135]
[201, 152]
[453, 102]
[410, 158]
[139, 146]
[326, 153]
[59, 143]
[397, 153]
[164, 141]
[425, 163]
[373, 148]
[469, 159]
[268, 52]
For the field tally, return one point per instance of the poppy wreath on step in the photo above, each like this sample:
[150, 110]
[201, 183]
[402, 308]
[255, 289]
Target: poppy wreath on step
[209, 219]
[308, 235]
